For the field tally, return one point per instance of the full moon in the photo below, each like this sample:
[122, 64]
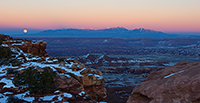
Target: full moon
[25, 31]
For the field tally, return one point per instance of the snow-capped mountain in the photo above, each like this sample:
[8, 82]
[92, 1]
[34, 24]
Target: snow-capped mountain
[110, 32]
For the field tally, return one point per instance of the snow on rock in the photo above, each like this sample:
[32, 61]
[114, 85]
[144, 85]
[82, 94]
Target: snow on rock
[29, 99]
[100, 57]
[81, 93]
[57, 91]
[17, 44]
[5, 45]
[68, 73]
[174, 73]
[68, 95]
[106, 40]
[3, 100]
[85, 56]
[8, 83]
[8, 93]
[48, 98]
[23, 96]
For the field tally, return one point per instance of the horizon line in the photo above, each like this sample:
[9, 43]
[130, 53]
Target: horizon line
[31, 30]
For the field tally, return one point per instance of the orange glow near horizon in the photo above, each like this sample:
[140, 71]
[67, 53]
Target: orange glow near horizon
[166, 16]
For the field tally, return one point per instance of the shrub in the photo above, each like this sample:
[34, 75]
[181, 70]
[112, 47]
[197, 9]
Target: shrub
[11, 71]
[15, 62]
[22, 55]
[30, 41]
[1, 39]
[37, 82]
[40, 55]
[4, 62]
[60, 59]
[5, 52]
[13, 99]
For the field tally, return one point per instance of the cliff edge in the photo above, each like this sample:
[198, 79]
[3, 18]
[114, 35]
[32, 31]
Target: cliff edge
[28, 74]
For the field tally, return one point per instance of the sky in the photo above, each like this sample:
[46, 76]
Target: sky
[160, 15]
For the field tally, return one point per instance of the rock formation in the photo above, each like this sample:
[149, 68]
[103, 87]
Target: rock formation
[35, 48]
[73, 81]
[177, 84]
[122, 73]
[109, 64]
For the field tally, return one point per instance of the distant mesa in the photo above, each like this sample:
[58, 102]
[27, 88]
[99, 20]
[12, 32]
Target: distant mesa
[120, 32]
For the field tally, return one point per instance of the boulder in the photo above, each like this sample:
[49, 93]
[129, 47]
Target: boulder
[68, 84]
[96, 92]
[177, 84]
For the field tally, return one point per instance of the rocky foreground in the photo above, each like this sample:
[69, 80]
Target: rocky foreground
[177, 84]
[30, 75]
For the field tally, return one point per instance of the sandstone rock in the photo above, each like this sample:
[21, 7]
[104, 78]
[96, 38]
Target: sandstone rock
[28, 47]
[39, 69]
[7, 37]
[60, 70]
[177, 84]
[68, 84]
[89, 80]
[96, 92]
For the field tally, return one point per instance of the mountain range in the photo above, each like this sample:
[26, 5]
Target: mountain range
[120, 32]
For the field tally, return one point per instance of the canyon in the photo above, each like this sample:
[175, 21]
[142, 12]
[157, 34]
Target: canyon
[125, 63]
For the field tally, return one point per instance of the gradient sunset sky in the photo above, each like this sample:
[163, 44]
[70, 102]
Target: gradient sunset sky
[161, 15]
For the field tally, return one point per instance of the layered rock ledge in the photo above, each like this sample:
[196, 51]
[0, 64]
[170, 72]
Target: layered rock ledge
[177, 84]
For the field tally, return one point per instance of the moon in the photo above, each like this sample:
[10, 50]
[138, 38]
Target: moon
[25, 31]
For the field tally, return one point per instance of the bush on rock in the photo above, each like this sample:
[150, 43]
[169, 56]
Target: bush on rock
[1, 39]
[37, 82]
[13, 99]
[5, 52]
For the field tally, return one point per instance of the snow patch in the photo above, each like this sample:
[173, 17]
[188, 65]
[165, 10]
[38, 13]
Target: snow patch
[67, 75]
[29, 99]
[81, 93]
[106, 40]
[98, 76]
[97, 60]
[48, 98]
[5, 45]
[67, 95]
[8, 83]
[8, 93]
[57, 91]
[86, 56]
[22, 96]
[174, 73]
